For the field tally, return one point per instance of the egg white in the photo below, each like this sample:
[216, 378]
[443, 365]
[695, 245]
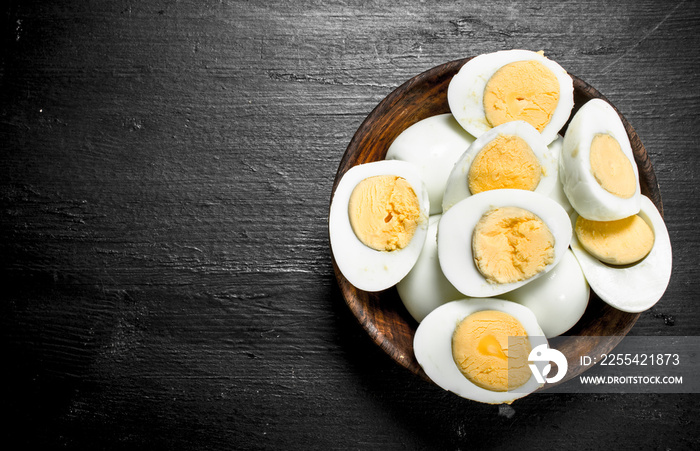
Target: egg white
[557, 192]
[637, 287]
[558, 299]
[585, 194]
[434, 145]
[457, 187]
[432, 345]
[456, 229]
[366, 268]
[425, 287]
[465, 93]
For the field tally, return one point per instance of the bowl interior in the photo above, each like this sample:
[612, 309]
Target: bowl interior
[382, 314]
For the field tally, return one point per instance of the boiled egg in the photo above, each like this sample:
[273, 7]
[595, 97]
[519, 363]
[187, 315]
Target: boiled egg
[557, 192]
[509, 156]
[378, 222]
[597, 167]
[479, 349]
[425, 287]
[494, 88]
[434, 145]
[626, 262]
[558, 299]
[496, 241]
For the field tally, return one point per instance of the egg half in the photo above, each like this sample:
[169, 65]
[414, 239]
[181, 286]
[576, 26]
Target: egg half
[557, 192]
[597, 167]
[433, 145]
[496, 241]
[494, 88]
[478, 349]
[509, 156]
[378, 222]
[632, 287]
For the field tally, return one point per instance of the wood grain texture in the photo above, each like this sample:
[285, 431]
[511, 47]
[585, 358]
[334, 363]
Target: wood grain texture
[165, 176]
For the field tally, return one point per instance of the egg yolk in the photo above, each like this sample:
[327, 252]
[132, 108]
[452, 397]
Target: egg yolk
[505, 162]
[620, 242]
[484, 354]
[523, 90]
[511, 244]
[384, 212]
[611, 168]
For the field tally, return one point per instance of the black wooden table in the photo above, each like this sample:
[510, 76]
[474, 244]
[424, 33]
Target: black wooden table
[165, 177]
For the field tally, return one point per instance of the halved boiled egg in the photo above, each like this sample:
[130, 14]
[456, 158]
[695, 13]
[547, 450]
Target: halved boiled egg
[597, 167]
[558, 299]
[425, 287]
[434, 145]
[509, 156]
[479, 349]
[378, 222]
[496, 241]
[494, 88]
[627, 262]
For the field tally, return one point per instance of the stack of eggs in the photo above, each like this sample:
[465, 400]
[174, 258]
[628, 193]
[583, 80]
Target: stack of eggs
[494, 228]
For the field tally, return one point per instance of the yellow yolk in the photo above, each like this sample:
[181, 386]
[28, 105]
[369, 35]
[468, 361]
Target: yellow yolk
[384, 212]
[620, 242]
[511, 244]
[506, 162]
[611, 168]
[484, 354]
[523, 90]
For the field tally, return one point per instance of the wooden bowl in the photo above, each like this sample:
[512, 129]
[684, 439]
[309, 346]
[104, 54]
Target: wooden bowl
[382, 314]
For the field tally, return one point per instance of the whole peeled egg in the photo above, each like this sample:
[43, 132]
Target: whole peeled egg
[496, 241]
[494, 88]
[378, 222]
[558, 299]
[433, 144]
[510, 156]
[425, 287]
[479, 348]
[597, 167]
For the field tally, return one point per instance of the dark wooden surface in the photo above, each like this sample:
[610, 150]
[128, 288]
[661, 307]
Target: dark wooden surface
[165, 176]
